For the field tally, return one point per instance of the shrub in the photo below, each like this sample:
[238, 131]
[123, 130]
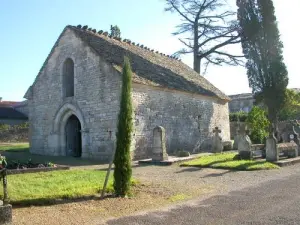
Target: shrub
[241, 116]
[122, 159]
[182, 153]
[3, 162]
[258, 124]
[4, 126]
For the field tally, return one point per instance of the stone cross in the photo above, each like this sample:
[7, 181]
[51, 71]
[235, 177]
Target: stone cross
[217, 131]
[217, 145]
[159, 151]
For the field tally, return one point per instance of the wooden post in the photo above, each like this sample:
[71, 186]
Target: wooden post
[108, 173]
[5, 193]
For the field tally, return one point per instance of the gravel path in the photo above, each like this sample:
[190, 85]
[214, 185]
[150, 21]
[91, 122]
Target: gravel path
[162, 182]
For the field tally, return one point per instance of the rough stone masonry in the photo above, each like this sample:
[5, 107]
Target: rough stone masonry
[79, 86]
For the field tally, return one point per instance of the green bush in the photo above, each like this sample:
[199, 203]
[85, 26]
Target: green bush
[4, 126]
[258, 123]
[241, 116]
[122, 159]
[182, 153]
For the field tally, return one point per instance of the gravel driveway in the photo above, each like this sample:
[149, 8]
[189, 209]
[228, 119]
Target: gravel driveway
[161, 183]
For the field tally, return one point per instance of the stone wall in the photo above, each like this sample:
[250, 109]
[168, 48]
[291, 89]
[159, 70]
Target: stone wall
[95, 103]
[14, 134]
[187, 118]
[234, 126]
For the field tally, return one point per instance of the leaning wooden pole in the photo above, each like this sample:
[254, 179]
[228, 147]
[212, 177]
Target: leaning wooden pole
[108, 173]
[5, 192]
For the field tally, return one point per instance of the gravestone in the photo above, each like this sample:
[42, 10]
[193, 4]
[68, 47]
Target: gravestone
[272, 154]
[217, 145]
[237, 136]
[5, 208]
[295, 137]
[159, 151]
[244, 146]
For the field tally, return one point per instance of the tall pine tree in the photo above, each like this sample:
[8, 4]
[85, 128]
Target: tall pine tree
[122, 160]
[267, 73]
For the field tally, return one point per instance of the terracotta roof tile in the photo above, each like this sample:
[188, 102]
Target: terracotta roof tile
[156, 68]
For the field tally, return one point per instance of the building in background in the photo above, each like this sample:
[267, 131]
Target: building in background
[244, 102]
[13, 113]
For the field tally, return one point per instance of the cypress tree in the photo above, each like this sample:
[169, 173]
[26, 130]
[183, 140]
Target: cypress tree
[267, 73]
[122, 159]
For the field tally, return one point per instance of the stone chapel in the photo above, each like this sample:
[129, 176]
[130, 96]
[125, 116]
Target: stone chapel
[74, 101]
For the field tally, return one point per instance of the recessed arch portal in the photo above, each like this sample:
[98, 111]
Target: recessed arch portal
[70, 128]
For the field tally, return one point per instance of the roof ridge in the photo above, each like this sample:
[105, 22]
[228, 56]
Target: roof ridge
[125, 40]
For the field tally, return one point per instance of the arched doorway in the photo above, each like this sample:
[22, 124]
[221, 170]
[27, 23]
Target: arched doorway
[73, 137]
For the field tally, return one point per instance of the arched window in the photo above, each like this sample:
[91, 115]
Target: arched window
[68, 78]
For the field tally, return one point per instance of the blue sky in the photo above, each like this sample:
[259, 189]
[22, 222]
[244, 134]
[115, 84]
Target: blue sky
[30, 28]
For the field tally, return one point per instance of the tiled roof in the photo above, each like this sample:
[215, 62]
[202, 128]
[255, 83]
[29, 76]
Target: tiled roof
[8, 103]
[241, 96]
[11, 113]
[148, 66]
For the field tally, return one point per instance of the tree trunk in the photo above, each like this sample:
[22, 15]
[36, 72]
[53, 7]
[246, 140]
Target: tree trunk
[197, 60]
[197, 63]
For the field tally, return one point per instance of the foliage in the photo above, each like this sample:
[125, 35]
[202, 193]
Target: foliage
[3, 162]
[267, 73]
[238, 116]
[17, 164]
[258, 123]
[122, 160]
[210, 25]
[228, 161]
[47, 187]
[291, 108]
[4, 126]
[24, 125]
[182, 153]
[115, 31]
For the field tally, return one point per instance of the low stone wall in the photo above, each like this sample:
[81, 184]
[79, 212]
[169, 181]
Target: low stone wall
[14, 134]
[37, 170]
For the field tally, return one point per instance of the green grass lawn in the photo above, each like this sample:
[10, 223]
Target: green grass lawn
[14, 146]
[228, 161]
[47, 187]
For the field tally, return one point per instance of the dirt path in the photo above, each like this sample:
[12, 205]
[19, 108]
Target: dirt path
[162, 186]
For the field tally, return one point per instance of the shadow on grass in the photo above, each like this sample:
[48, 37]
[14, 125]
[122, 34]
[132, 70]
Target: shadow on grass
[247, 166]
[237, 165]
[208, 165]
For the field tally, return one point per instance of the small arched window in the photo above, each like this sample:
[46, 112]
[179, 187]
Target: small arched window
[68, 78]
